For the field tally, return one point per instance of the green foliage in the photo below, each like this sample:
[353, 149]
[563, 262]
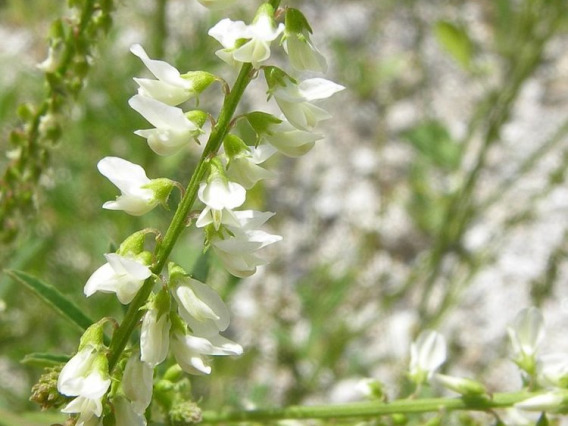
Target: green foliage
[456, 42]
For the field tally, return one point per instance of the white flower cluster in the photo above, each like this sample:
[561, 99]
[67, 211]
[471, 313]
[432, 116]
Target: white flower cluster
[187, 316]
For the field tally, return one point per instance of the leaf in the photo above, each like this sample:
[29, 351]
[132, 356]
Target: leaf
[54, 299]
[455, 41]
[40, 359]
[8, 418]
[434, 142]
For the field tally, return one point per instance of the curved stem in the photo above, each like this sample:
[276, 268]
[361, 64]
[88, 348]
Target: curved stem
[178, 223]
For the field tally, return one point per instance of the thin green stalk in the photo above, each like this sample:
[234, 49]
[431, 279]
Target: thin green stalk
[370, 409]
[122, 334]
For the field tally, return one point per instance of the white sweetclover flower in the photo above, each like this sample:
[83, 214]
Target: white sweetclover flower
[126, 414]
[290, 140]
[121, 275]
[427, 354]
[220, 197]
[554, 370]
[170, 87]
[526, 334]
[137, 383]
[295, 100]
[303, 55]
[154, 337]
[173, 129]
[257, 36]
[238, 252]
[85, 377]
[139, 194]
[244, 167]
[189, 351]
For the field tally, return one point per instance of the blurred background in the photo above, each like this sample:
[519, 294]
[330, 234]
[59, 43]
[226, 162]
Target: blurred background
[437, 199]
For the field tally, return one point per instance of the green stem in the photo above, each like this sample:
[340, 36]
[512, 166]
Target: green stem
[371, 409]
[178, 223]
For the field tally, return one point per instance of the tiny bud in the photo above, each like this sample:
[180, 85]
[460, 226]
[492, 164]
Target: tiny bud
[551, 402]
[464, 386]
[185, 412]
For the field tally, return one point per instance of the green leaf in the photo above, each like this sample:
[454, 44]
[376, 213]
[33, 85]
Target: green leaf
[39, 359]
[455, 41]
[434, 142]
[8, 418]
[53, 298]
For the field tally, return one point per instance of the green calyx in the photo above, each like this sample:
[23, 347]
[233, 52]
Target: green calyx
[296, 23]
[234, 146]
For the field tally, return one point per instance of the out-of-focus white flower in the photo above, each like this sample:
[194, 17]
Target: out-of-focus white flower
[170, 87]
[126, 414]
[173, 129]
[121, 275]
[85, 376]
[461, 385]
[189, 351]
[554, 370]
[137, 384]
[302, 53]
[295, 100]
[257, 38]
[526, 333]
[154, 337]
[238, 252]
[139, 194]
[550, 402]
[427, 354]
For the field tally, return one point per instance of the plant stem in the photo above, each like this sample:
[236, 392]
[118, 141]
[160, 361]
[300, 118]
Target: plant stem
[370, 409]
[178, 223]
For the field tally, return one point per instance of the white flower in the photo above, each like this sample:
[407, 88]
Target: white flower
[238, 252]
[121, 275]
[154, 337]
[554, 370]
[201, 307]
[85, 376]
[526, 333]
[294, 101]
[137, 384]
[427, 354]
[169, 88]
[126, 413]
[136, 198]
[244, 169]
[546, 402]
[220, 197]
[303, 55]
[189, 350]
[259, 35]
[289, 140]
[173, 129]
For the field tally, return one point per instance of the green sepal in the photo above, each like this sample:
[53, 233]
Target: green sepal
[200, 80]
[296, 23]
[94, 335]
[234, 146]
[134, 244]
[176, 273]
[198, 117]
[162, 187]
[276, 77]
[267, 10]
[261, 122]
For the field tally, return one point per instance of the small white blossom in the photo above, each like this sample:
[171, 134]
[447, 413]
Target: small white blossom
[136, 198]
[85, 377]
[137, 384]
[170, 87]
[427, 354]
[126, 414]
[526, 334]
[121, 275]
[289, 140]
[189, 351]
[220, 196]
[244, 167]
[547, 402]
[259, 35]
[294, 101]
[173, 129]
[200, 307]
[554, 370]
[238, 252]
[154, 337]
